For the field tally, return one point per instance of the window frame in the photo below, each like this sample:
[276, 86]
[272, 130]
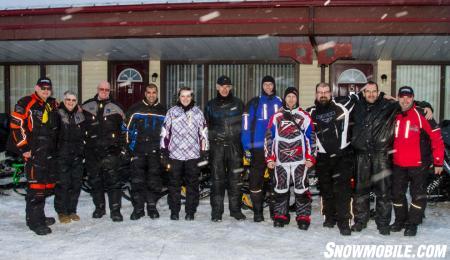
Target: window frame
[442, 64]
[42, 67]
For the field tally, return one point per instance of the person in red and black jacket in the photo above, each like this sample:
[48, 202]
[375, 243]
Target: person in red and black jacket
[34, 129]
[417, 144]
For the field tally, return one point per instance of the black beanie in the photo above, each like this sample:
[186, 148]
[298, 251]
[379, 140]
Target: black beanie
[288, 91]
[268, 79]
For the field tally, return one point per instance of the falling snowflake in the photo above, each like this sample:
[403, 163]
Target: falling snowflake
[66, 17]
[210, 16]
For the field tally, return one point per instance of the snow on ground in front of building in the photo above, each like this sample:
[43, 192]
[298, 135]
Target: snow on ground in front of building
[199, 239]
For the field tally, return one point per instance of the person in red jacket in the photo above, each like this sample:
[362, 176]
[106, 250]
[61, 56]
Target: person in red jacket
[417, 144]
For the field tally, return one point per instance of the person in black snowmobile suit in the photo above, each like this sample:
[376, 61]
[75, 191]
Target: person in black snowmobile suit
[104, 144]
[223, 115]
[70, 158]
[34, 130]
[335, 158]
[144, 122]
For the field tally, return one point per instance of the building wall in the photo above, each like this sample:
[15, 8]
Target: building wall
[92, 73]
[309, 77]
[384, 67]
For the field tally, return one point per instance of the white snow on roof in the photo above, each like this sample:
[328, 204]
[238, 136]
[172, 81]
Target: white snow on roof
[40, 4]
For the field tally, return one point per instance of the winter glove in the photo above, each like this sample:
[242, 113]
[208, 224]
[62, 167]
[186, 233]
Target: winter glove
[204, 158]
[247, 158]
[125, 155]
[165, 160]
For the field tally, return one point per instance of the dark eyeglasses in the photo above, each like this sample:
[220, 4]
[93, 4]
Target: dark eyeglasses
[104, 89]
[46, 88]
[68, 99]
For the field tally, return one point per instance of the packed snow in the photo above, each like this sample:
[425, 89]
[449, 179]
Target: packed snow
[199, 239]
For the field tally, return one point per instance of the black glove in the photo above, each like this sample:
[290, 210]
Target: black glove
[165, 160]
[204, 158]
[125, 155]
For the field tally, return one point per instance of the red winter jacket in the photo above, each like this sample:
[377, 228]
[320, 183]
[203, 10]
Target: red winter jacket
[413, 133]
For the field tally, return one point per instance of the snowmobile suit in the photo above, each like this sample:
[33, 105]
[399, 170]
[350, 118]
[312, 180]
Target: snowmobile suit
[34, 127]
[223, 116]
[184, 137]
[104, 142]
[70, 160]
[143, 139]
[290, 142]
[334, 156]
[418, 144]
[372, 138]
[255, 119]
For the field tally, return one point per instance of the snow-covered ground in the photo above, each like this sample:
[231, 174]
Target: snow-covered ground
[199, 239]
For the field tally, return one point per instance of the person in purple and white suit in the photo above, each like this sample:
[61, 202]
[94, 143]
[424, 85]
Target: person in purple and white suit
[184, 143]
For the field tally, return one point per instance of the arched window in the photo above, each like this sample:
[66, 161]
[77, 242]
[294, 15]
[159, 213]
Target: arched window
[129, 75]
[352, 76]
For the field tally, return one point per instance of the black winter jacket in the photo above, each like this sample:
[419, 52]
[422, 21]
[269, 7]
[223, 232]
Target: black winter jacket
[71, 132]
[104, 126]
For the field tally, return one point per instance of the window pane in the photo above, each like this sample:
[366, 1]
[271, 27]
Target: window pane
[184, 75]
[2, 89]
[23, 80]
[425, 80]
[246, 78]
[64, 77]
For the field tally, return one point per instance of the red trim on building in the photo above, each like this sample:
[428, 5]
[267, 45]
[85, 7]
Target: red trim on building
[218, 5]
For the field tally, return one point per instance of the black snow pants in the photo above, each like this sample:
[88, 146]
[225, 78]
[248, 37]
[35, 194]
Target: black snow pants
[146, 183]
[190, 173]
[373, 172]
[416, 177]
[335, 175]
[68, 184]
[103, 174]
[226, 169]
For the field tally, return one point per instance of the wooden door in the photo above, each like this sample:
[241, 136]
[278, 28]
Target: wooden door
[128, 81]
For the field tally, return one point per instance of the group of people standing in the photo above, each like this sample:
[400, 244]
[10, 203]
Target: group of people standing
[269, 132]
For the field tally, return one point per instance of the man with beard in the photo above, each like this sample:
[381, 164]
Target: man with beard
[334, 156]
[223, 115]
[145, 119]
[184, 143]
[256, 117]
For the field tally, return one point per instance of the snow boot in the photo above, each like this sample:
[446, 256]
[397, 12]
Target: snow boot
[49, 221]
[358, 226]
[410, 230]
[137, 214]
[152, 212]
[344, 228]
[238, 215]
[98, 213]
[303, 222]
[257, 201]
[397, 226]
[74, 217]
[385, 231]
[63, 218]
[41, 230]
[280, 220]
[189, 216]
[174, 216]
[329, 222]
